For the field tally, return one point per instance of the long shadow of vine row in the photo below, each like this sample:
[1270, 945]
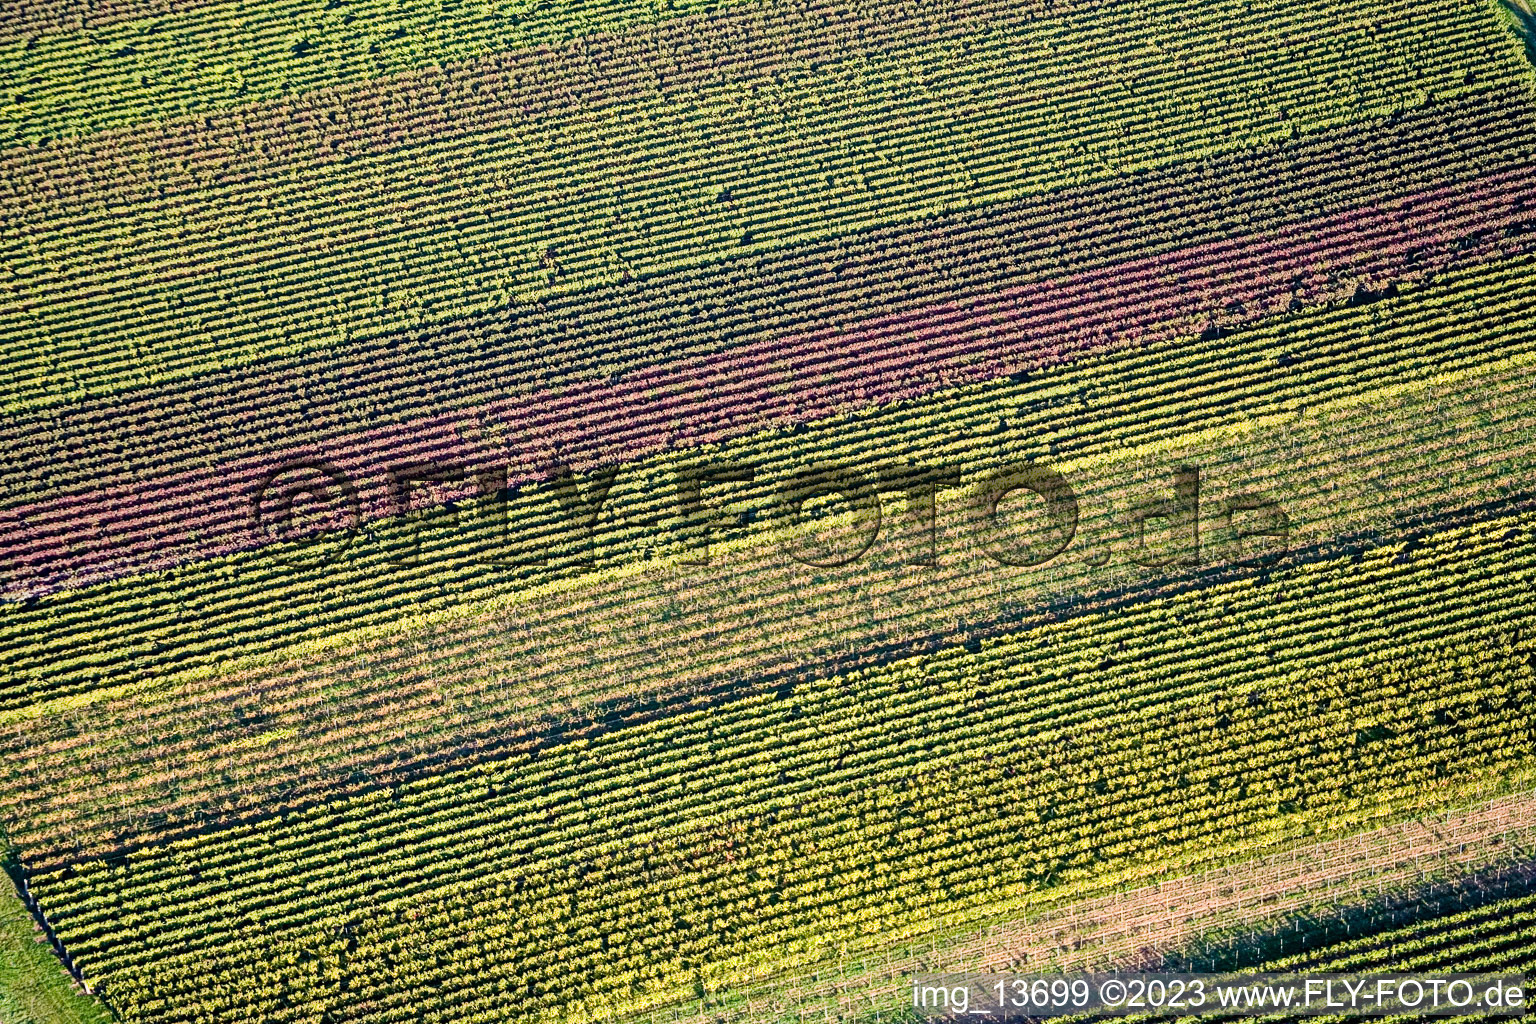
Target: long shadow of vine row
[1317, 930]
[1252, 948]
[563, 726]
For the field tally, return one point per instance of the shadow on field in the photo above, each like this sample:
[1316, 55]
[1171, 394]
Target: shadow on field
[1303, 933]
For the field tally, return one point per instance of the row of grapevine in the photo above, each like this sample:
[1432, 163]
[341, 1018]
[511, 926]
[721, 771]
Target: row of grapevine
[1216, 919]
[621, 858]
[170, 521]
[26, 18]
[322, 397]
[144, 763]
[490, 93]
[181, 65]
[141, 763]
[149, 624]
[204, 280]
[1499, 936]
[56, 637]
[1249, 291]
[1454, 927]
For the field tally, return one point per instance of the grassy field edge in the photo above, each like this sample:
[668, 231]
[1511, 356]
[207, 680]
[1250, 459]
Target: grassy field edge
[34, 986]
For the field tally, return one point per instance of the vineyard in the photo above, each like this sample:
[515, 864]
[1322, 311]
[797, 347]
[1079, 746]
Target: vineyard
[645, 513]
